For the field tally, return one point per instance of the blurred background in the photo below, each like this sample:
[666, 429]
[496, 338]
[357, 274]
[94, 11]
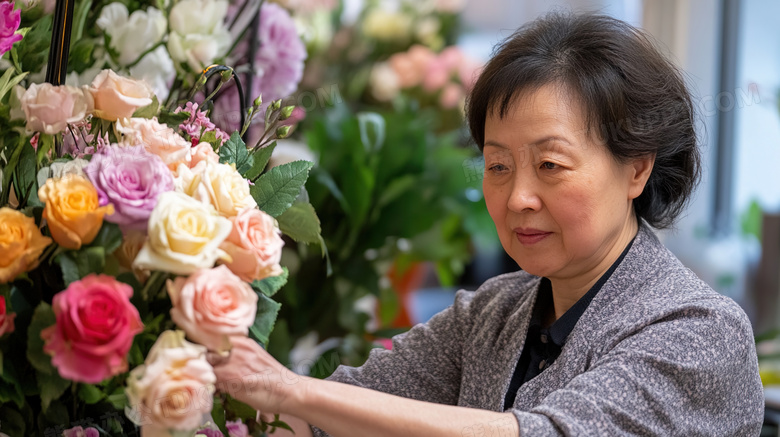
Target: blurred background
[398, 184]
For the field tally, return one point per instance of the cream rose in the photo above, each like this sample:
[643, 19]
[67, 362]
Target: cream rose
[49, 109]
[131, 34]
[173, 389]
[184, 236]
[198, 33]
[254, 245]
[158, 139]
[218, 184]
[211, 305]
[118, 97]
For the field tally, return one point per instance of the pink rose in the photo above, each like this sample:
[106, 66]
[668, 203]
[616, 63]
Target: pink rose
[78, 431]
[255, 245]
[49, 109]
[118, 97]
[6, 319]
[212, 305]
[158, 139]
[95, 327]
[203, 152]
[451, 96]
[173, 389]
[9, 24]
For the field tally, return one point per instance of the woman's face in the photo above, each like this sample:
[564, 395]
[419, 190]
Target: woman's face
[560, 202]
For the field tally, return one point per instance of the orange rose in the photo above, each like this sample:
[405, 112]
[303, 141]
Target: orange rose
[72, 210]
[21, 243]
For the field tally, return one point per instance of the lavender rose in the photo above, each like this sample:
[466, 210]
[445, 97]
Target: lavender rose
[131, 179]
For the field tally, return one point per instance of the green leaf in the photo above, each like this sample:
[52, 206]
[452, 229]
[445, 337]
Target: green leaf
[52, 386]
[109, 237]
[276, 190]
[8, 81]
[211, 138]
[279, 424]
[301, 223]
[173, 120]
[10, 389]
[234, 152]
[267, 310]
[12, 421]
[118, 398]
[240, 409]
[261, 158]
[149, 110]
[70, 270]
[42, 318]
[45, 143]
[10, 169]
[25, 180]
[218, 415]
[269, 286]
[90, 393]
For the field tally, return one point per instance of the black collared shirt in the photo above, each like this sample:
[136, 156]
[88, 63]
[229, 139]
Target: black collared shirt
[543, 345]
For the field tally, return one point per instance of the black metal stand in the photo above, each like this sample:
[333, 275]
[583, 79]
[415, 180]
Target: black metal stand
[57, 68]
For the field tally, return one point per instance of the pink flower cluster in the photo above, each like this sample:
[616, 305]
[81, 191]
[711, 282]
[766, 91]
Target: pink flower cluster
[450, 73]
[9, 24]
[199, 123]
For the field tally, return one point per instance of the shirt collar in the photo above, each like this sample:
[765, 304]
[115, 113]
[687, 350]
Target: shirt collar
[561, 328]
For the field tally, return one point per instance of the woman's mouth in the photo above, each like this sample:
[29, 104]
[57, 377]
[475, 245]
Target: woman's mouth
[527, 236]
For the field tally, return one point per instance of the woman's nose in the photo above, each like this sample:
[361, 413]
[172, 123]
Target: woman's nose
[524, 196]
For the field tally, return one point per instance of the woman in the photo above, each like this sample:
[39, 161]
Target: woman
[588, 138]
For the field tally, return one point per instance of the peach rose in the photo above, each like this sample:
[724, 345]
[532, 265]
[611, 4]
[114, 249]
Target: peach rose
[49, 109]
[203, 152]
[72, 211]
[173, 389]
[21, 243]
[6, 319]
[255, 245]
[158, 139]
[118, 97]
[96, 324]
[217, 184]
[211, 305]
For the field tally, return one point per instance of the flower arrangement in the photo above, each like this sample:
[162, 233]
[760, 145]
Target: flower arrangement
[136, 235]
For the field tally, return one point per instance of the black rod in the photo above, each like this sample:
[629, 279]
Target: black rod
[57, 68]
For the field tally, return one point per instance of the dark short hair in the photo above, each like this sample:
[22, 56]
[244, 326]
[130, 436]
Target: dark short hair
[635, 98]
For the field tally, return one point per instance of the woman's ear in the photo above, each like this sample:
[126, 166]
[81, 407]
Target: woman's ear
[639, 173]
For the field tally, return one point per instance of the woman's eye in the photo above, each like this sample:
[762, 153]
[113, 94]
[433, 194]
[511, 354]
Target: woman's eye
[497, 168]
[549, 165]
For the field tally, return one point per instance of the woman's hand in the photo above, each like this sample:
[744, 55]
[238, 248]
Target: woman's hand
[253, 376]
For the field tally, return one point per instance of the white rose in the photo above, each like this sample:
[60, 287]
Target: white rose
[384, 82]
[184, 235]
[219, 185]
[198, 33]
[134, 34]
[60, 169]
[157, 70]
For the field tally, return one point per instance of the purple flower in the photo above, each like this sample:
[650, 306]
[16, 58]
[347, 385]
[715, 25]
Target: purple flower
[81, 432]
[9, 24]
[278, 66]
[131, 179]
[210, 432]
[237, 429]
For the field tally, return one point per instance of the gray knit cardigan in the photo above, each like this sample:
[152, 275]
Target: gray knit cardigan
[657, 352]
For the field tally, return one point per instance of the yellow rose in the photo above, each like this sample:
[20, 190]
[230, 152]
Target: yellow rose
[72, 210]
[218, 184]
[21, 243]
[184, 236]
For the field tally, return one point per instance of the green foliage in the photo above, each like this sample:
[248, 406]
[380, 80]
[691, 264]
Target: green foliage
[31, 53]
[172, 119]
[267, 310]
[269, 286]
[276, 190]
[260, 157]
[149, 110]
[234, 152]
[301, 223]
